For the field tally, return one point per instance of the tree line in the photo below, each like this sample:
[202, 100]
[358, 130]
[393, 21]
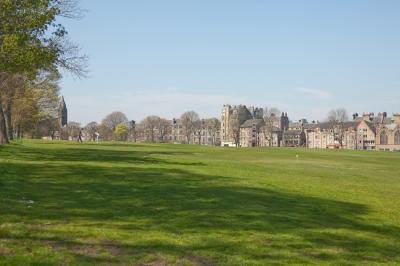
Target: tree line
[34, 49]
[116, 126]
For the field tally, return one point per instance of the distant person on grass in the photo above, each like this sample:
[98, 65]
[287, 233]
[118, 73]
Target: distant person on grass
[80, 136]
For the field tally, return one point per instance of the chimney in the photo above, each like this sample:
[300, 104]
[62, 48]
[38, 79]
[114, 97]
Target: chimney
[396, 118]
[382, 117]
[368, 116]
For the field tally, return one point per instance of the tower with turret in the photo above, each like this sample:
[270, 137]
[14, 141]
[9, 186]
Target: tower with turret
[62, 114]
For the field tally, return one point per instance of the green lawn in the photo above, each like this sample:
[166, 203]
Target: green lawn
[139, 204]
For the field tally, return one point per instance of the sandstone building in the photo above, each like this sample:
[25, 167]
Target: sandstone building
[366, 132]
[254, 129]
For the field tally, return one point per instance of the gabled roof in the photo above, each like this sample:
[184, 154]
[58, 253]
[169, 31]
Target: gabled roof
[292, 132]
[295, 125]
[375, 120]
[370, 125]
[323, 125]
[328, 125]
[251, 122]
[310, 126]
[349, 124]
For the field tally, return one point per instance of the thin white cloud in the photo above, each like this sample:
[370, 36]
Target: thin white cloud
[315, 93]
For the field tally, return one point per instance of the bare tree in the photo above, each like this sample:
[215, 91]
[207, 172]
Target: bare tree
[336, 120]
[188, 121]
[105, 132]
[213, 126]
[73, 129]
[234, 128]
[271, 116]
[91, 128]
[198, 127]
[164, 128]
[150, 126]
[70, 58]
[112, 120]
[140, 133]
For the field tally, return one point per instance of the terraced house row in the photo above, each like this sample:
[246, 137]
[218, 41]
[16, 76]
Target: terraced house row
[249, 127]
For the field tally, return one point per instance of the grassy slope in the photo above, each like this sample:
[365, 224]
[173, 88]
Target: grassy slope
[190, 205]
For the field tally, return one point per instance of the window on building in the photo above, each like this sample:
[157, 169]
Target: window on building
[384, 138]
[397, 137]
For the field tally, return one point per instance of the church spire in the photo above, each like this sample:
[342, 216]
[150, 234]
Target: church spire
[62, 113]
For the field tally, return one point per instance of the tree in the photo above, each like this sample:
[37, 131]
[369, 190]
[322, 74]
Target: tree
[8, 90]
[112, 120]
[28, 102]
[336, 120]
[198, 127]
[213, 126]
[150, 127]
[73, 129]
[189, 120]
[46, 89]
[91, 128]
[25, 113]
[164, 128]
[234, 128]
[121, 132]
[105, 132]
[31, 41]
[271, 116]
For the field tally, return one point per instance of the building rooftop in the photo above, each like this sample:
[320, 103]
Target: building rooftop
[251, 122]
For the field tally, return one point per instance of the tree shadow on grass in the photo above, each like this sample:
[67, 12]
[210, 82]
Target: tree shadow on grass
[92, 153]
[183, 203]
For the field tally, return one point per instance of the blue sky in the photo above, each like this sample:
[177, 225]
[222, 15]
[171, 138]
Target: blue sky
[166, 57]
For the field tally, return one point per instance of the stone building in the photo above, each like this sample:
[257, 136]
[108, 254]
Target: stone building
[239, 112]
[207, 135]
[177, 134]
[250, 133]
[388, 134]
[294, 138]
[324, 136]
[368, 132]
[365, 136]
[273, 130]
[255, 131]
[204, 136]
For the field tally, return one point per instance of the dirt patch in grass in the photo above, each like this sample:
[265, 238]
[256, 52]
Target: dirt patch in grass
[91, 248]
[312, 254]
[200, 261]
[6, 251]
[159, 261]
[114, 248]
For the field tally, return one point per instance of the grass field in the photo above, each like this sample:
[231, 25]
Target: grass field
[126, 204]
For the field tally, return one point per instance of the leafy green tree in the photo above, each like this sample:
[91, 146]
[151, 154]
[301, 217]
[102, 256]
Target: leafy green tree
[31, 41]
[121, 132]
[25, 113]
